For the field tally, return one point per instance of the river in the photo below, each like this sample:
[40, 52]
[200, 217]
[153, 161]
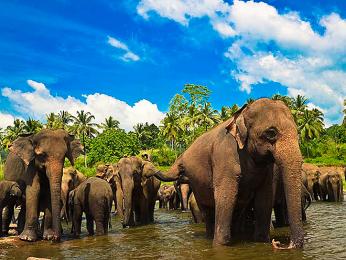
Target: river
[174, 236]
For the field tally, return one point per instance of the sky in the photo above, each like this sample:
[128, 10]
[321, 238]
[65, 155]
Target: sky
[128, 58]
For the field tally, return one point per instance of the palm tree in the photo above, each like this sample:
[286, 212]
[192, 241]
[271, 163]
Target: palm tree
[84, 127]
[12, 132]
[208, 116]
[110, 123]
[310, 124]
[344, 121]
[298, 107]
[171, 128]
[64, 118]
[32, 126]
[227, 112]
[249, 101]
[52, 121]
[287, 100]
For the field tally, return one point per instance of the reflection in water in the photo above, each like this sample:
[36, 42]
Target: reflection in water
[173, 236]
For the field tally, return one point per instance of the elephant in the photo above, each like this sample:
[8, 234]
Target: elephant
[195, 211]
[311, 174]
[170, 197]
[71, 178]
[107, 173]
[160, 196]
[232, 164]
[183, 191]
[35, 162]
[331, 186]
[10, 194]
[137, 191]
[94, 197]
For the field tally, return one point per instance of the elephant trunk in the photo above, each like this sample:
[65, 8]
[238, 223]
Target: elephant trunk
[289, 161]
[55, 171]
[172, 174]
[127, 187]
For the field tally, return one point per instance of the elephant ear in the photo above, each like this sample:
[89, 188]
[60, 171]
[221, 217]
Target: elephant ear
[148, 169]
[237, 128]
[74, 148]
[23, 147]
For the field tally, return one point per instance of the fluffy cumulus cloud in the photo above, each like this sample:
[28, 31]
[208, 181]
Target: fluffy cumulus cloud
[127, 55]
[39, 102]
[268, 46]
[6, 119]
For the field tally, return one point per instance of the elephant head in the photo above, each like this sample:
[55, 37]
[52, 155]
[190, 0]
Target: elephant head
[266, 132]
[130, 174]
[46, 151]
[71, 178]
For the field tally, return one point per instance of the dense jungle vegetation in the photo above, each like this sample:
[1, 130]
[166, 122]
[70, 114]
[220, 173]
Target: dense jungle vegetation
[190, 114]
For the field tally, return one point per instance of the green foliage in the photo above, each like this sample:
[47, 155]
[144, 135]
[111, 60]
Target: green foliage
[164, 156]
[148, 135]
[111, 145]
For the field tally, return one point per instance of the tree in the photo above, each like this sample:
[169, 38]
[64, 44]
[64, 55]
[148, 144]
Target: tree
[52, 121]
[344, 121]
[310, 124]
[148, 135]
[64, 118]
[110, 123]
[298, 106]
[13, 131]
[287, 100]
[32, 126]
[171, 128]
[227, 112]
[208, 116]
[111, 145]
[84, 127]
[198, 94]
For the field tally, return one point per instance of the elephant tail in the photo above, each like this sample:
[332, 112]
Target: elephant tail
[108, 211]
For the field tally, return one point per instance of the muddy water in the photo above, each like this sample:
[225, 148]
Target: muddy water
[173, 236]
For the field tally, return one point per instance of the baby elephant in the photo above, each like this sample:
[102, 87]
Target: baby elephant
[10, 194]
[94, 198]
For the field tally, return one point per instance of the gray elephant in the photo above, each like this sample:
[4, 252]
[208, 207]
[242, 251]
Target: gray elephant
[137, 192]
[93, 197]
[311, 175]
[331, 186]
[71, 179]
[10, 194]
[36, 163]
[160, 196]
[170, 197]
[233, 164]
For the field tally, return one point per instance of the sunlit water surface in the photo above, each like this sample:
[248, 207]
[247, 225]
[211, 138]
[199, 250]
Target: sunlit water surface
[173, 236]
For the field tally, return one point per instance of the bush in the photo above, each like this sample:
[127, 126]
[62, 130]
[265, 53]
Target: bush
[164, 156]
[112, 145]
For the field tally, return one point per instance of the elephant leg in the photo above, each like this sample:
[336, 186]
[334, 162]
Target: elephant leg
[209, 222]
[8, 214]
[137, 212]
[151, 210]
[31, 217]
[48, 232]
[144, 211]
[101, 226]
[21, 218]
[77, 219]
[160, 204]
[90, 224]
[263, 211]
[224, 206]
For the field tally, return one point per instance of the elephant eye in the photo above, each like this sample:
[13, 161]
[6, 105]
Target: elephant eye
[270, 134]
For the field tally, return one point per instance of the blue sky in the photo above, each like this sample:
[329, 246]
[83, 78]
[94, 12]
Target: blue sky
[128, 58]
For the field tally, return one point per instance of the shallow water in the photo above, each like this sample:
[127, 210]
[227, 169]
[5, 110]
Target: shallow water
[173, 236]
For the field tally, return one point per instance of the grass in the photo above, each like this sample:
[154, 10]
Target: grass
[325, 161]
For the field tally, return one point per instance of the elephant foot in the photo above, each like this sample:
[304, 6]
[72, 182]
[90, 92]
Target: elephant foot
[29, 235]
[48, 234]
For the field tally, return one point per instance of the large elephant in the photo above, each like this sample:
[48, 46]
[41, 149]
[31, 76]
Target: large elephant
[331, 186]
[138, 190]
[233, 164]
[311, 174]
[71, 179]
[36, 163]
[93, 197]
[10, 194]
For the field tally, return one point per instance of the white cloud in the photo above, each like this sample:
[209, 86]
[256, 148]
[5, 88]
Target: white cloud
[302, 59]
[128, 55]
[39, 102]
[6, 120]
